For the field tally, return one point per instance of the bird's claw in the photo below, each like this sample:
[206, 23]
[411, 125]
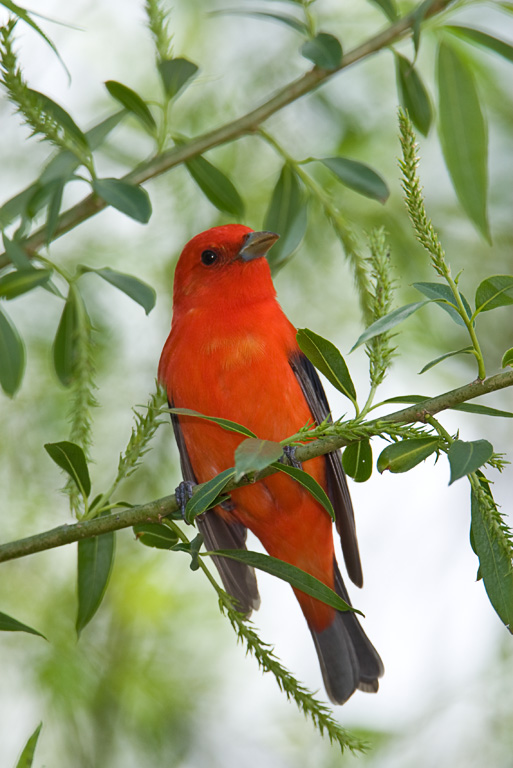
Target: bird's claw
[183, 493]
[290, 455]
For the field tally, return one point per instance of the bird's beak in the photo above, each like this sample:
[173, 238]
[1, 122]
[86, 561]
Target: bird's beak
[256, 245]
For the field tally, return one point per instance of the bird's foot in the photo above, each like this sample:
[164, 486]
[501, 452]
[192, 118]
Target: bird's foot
[290, 455]
[183, 493]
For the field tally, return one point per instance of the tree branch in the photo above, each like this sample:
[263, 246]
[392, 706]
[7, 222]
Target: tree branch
[154, 511]
[247, 124]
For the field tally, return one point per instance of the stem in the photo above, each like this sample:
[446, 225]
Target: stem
[246, 124]
[154, 511]
[469, 324]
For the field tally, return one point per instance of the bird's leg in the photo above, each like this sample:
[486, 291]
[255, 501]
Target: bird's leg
[290, 454]
[183, 493]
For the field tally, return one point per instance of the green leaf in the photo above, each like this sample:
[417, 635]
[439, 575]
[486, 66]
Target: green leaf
[136, 289]
[192, 548]
[12, 356]
[358, 177]
[155, 535]
[27, 756]
[388, 8]
[496, 291]
[54, 209]
[287, 216]
[71, 458]
[65, 343]
[357, 461]
[444, 298]
[463, 135]
[406, 454]
[95, 560]
[22, 280]
[311, 485]
[482, 38]
[328, 360]
[507, 359]
[231, 426]
[175, 73]
[389, 321]
[216, 186]
[465, 458]
[323, 50]
[253, 455]
[413, 94]
[483, 410]
[432, 363]
[130, 199]
[208, 494]
[62, 117]
[294, 576]
[494, 564]
[8, 624]
[16, 253]
[133, 103]
[283, 18]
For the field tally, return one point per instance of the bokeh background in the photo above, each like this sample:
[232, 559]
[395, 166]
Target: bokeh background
[157, 679]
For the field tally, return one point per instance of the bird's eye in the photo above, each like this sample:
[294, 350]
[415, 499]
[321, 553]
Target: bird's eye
[209, 257]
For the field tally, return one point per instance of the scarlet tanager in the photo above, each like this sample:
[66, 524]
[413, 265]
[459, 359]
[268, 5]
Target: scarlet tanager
[232, 353]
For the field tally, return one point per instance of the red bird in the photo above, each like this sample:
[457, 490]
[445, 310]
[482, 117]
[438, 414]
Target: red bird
[232, 353]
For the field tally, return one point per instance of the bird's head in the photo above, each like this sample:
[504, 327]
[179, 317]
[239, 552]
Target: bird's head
[223, 264]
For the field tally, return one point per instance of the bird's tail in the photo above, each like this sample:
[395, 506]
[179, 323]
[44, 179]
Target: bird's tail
[347, 658]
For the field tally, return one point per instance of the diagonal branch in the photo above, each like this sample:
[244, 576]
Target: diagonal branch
[242, 126]
[167, 506]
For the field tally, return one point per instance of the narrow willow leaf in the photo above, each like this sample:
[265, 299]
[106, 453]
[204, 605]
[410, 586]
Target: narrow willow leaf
[328, 360]
[311, 485]
[231, 426]
[494, 564]
[357, 461]
[358, 177]
[282, 18]
[136, 289]
[208, 494]
[133, 103]
[472, 35]
[432, 363]
[95, 560]
[253, 455]
[155, 535]
[388, 8]
[463, 135]
[324, 50]
[8, 624]
[22, 280]
[507, 359]
[63, 118]
[27, 756]
[413, 94]
[389, 321]
[175, 74]
[406, 454]
[130, 199]
[16, 253]
[466, 457]
[287, 216]
[216, 186]
[444, 297]
[12, 356]
[496, 291]
[65, 343]
[483, 410]
[71, 458]
[54, 209]
[294, 576]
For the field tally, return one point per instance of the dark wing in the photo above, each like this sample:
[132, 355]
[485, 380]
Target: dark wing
[239, 580]
[338, 491]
